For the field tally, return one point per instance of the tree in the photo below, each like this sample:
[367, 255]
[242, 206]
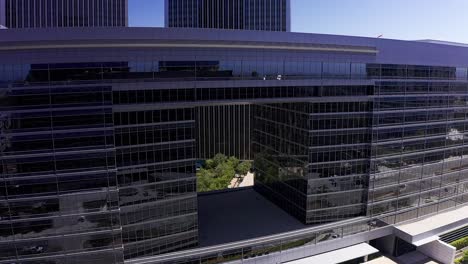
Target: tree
[233, 162]
[225, 173]
[215, 161]
[219, 159]
[204, 179]
[243, 168]
[463, 259]
[218, 172]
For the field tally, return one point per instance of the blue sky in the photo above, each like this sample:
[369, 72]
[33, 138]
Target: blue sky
[397, 19]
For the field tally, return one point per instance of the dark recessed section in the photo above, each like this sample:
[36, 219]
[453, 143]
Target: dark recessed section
[237, 215]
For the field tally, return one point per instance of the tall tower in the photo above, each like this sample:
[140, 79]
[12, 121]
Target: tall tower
[63, 13]
[2, 13]
[268, 15]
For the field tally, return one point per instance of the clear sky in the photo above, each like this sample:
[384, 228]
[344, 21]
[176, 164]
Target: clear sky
[398, 19]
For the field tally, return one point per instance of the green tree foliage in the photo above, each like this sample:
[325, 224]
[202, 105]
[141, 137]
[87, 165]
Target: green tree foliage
[460, 243]
[265, 172]
[204, 180]
[215, 161]
[233, 162]
[218, 172]
[463, 259]
[244, 167]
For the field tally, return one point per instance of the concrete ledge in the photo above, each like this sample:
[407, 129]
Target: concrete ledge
[426, 240]
[439, 251]
[423, 231]
[339, 255]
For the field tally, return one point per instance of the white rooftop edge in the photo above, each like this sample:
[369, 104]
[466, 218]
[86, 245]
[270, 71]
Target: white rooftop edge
[426, 241]
[427, 229]
[339, 255]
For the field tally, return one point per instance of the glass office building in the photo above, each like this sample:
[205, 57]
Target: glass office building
[59, 187]
[313, 158]
[98, 141]
[266, 15]
[418, 156]
[396, 146]
[63, 13]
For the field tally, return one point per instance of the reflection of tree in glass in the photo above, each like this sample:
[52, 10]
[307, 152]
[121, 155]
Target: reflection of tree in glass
[266, 168]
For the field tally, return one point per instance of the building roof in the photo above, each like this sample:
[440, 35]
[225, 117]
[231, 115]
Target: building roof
[426, 230]
[339, 255]
[240, 214]
[385, 51]
[441, 42]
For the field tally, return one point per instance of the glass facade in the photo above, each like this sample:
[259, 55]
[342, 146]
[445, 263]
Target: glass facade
[155, 151]
[224, 129]
[98, 145]
[59, 189]
[418, 147]
[399, 149]
[68, 13]
[313, 158]
[266, 15]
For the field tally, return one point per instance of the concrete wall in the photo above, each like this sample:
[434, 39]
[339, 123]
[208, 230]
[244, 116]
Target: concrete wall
[439, 251]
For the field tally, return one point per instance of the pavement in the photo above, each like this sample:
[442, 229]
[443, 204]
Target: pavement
[415, 257]
[381, 260]
[234, 183]
[248, 180]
